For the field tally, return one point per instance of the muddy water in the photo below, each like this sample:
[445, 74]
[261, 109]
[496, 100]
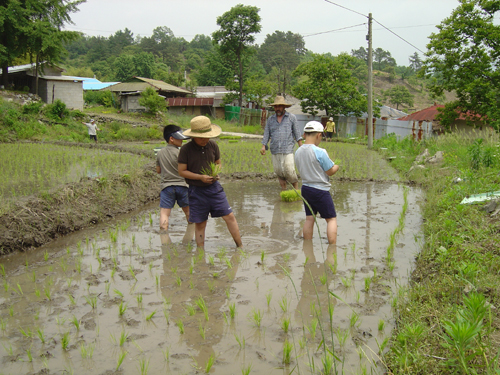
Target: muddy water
[122, 289]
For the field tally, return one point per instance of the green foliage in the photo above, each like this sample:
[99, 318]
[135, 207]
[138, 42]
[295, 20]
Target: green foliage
[32, 107]
[56, 110]
[153, 102]
[328, 84]
[105, 98]
[480, 155]
[399, 95]
[463, 57]
[290, 196]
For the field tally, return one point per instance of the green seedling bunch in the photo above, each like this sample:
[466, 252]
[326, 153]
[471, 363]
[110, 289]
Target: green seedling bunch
[290, 196]
[212, 170]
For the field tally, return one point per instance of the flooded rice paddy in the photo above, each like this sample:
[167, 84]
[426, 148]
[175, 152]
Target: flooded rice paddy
[123, 298]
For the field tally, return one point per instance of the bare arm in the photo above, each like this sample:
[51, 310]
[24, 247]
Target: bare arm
[333, 170]
[183, 172]
[158, 169]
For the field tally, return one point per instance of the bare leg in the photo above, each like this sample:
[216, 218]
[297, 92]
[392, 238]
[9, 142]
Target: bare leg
[308, 227]
[296, 185]
[189, 235]
[164, 215]
[331, 251]
[331, 230]
[199, 231]
[309, 251]
[232, 225]
[282, 183]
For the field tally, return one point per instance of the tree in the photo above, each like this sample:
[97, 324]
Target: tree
[415, 62]
[464, 57]
[124, 67]
[33, 28]
[152, 101]
[281, 52]
[399, 95]
[382, 59]
[235, 36]
[360, 53]
[328, 84]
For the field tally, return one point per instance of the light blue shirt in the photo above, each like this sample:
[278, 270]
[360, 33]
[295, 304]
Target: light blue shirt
[283, 135]
[312, 163]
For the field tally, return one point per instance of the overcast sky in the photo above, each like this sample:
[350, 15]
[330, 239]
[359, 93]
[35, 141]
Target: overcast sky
[412, 20]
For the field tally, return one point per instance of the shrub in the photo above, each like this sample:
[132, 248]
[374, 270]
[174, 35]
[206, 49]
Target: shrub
[56, 110]
[32, 108]
[104, 98]
[153, 102]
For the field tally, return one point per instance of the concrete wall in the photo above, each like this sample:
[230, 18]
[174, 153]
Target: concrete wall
[69, 92]
[130, 103]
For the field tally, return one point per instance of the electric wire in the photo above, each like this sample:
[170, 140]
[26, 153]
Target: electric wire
[341, 6]
[404, 40]
[331, 31]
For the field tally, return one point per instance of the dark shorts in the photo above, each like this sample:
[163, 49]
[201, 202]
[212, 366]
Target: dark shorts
[320, 201]
[204, 200]
[93, 137]
[329, 134]
[172, 194]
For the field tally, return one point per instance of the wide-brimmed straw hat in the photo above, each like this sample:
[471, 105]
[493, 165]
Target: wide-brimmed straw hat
[201, 127]
[280, 101]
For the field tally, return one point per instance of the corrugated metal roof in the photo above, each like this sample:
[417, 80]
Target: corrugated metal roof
[426, 114]
[28, 67]
[140, 84]
[190, 102]
[61, 78]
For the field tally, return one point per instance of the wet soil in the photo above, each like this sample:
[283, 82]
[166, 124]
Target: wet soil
[124, 288]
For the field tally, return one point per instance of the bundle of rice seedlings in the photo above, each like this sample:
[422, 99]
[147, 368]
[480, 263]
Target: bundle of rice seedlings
[290, 196]
[212, 170]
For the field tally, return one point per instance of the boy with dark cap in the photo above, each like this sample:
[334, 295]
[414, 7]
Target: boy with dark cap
[174, 187]
[315, 168]
[206, 195]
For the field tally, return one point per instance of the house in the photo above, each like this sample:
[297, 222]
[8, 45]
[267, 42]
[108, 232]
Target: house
[130, 91]
[52, 85]
[429, 114]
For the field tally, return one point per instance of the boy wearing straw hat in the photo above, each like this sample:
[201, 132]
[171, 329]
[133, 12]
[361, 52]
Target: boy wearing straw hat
[206, 195]
[283, 131]
[315, 168]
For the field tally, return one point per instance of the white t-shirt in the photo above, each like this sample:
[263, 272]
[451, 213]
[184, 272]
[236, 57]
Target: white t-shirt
[92, 127]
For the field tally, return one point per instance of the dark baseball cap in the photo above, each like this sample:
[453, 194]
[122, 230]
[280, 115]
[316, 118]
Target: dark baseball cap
[173, 131]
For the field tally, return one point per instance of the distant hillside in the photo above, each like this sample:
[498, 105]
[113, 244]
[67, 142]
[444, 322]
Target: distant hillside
[382, 82]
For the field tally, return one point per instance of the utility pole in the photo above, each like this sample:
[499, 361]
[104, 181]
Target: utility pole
[370, 84]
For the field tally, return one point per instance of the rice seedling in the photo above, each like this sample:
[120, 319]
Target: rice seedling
[123, 337]
[262, 256]
[9, 349]
[381, 325]
[353, 319]
[312, 327]
[139, 300]
[215, 275]
[118, 293]
[75, 322]
[290, 196]
[212, 170]
[143, 366]
[210, 363]
[48, 293]
[121, 357]
[228, 293]
[150, 316]
[211, 260]
[178, 281]
[211, 286]
[166, 354]
[256, 317]
[46, 255]
[368, 282]
[6, 285]
[284, 303]
[28, 353]
[87, 351]
[157, 280]
[71, 299]
[245, 370]
[92, 301]
[37, 292]
[323, 278]
[232, 310]
[65, 341]
[228, 262]
[200, 302]
[269, 295]
[201, 329]
[11, 311]
[287, 352]
[240, 340]
[19, 289]
[328, 362]
[166, 314]
[2, 270]
[122, 308]
[180, 325]
[285, 324]
[27, 333]
[3, 325]
[342, 336]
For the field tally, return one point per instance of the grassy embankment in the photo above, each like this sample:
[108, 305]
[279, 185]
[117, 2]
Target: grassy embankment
[448, 319]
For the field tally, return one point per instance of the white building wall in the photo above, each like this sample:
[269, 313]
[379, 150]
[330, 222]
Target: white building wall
[69, 92]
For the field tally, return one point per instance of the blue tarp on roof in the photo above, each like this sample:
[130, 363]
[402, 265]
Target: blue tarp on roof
[94, 83]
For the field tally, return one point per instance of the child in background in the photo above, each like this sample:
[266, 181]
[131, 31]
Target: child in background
[315, 168]
[173, 187]
[206, 194]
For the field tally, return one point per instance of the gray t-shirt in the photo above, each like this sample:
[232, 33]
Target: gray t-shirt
[92, 127]
[166, 159]
[312, 162]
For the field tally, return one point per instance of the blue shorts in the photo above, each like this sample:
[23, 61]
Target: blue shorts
[320, 201]
[204, 200]
[171, 194]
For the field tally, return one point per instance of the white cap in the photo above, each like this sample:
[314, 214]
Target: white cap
[313, 127]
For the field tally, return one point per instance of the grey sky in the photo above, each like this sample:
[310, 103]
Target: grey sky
[413, 20]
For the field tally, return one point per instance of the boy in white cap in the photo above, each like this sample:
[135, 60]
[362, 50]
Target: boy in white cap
[329, 128]
[315, 168]
[206, 195]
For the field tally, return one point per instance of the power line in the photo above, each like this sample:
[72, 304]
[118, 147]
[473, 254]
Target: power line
[331, 31]
[404, 40]
[341, 6]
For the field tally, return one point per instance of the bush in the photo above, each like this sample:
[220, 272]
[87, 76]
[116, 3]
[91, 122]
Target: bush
[105, 98]
[153, 102]
[56, 110]
[32, 108]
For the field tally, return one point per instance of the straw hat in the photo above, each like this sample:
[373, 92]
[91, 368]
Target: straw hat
[201, 127]
[280, 101]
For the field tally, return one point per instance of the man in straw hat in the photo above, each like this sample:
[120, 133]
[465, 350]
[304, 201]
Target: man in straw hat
[283, 131]
[206, 195]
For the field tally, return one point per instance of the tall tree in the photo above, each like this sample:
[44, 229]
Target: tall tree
[360, 53]
[464, 57]
[281, 52]
[415, 62]
[399, 95]
[328, 84]
[238, 27]
[382, 59]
